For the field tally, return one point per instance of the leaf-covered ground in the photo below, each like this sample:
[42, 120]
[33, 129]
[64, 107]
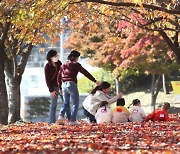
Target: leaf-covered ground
[147, 137]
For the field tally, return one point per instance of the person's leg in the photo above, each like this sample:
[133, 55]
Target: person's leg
[89, 115]
[52, 114]
[66, 101]
[73, 90]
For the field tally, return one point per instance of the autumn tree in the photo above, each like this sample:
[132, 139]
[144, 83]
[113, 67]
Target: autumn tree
[123, 48]
[23, 24]
[152, 15]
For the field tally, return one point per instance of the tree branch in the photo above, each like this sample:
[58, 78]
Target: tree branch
[127, 4]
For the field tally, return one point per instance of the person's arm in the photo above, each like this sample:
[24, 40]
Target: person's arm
[102, 97]
[150, 116]
[86, 73]
[48, 78]
[59, 79]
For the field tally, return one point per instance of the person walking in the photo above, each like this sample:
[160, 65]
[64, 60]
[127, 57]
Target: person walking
[51, 70]
[67, 83]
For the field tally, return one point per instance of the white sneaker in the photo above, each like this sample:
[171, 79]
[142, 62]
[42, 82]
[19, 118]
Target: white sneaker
[74, 123]
[60, 120]
[87, 120]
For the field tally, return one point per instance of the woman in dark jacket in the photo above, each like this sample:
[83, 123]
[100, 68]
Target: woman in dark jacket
[51, 71]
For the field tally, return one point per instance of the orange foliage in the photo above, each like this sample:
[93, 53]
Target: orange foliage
[146, 137]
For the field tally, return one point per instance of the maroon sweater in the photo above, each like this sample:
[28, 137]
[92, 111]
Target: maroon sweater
[69, 71]
[51, 74]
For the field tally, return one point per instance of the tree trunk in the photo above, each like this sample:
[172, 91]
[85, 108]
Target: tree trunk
[118, 86]
[154, 90]
[13, 86]
[165, 85]
[14, 70]
[3, 92]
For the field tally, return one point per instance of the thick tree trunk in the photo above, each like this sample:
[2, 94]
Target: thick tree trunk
[13, 86]
[14, 70]
[3, 93]
[154, 90]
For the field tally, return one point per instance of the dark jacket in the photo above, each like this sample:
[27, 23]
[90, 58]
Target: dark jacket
[51, 74]
[69, 71]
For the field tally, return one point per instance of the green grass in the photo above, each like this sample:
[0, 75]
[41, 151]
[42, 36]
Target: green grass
[145, 99]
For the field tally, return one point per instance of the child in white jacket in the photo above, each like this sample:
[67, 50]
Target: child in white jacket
[137, 113]
[104, 113]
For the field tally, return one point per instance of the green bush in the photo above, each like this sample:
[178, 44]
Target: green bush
[136, 83]
[85, 85]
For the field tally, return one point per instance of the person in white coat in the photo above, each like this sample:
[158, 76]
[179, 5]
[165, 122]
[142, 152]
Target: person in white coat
[92, 102]
[137, 113]
[104, 113]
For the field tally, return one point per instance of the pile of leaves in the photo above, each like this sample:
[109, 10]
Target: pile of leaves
[146, 137]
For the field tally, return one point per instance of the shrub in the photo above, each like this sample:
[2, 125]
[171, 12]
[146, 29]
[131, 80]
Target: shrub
[85, 85]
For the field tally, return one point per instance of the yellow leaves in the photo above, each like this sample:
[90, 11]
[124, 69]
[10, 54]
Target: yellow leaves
[41, 50]
[156, 33]
[169, 6]
[148, 15]
[90, 5]
[139, 2]
[106, 10]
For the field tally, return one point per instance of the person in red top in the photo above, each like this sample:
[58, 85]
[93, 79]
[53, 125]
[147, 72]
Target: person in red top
[160, 115]
[67, 83]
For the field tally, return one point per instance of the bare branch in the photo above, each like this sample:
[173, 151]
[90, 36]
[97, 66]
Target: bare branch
[127, 4]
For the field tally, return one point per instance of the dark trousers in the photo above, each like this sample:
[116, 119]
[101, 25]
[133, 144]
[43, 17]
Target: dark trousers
[89, 115]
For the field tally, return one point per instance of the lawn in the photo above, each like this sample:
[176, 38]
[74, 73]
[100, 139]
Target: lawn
[145, 99]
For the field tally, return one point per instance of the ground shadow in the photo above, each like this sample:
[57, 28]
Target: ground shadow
[174, 109]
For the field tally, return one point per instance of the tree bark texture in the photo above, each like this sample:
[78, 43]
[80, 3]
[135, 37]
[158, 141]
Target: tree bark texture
[155, 87]
[3, 93]
[165, 84]
[118, 86]
[14, 70]
[13, 86]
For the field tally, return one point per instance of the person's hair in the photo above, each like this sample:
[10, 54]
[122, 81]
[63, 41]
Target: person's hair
[120, 102]
[73, 55]
[103, 103]
[166, 106]
[103, 85]
[136, 101]
[51, 54]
